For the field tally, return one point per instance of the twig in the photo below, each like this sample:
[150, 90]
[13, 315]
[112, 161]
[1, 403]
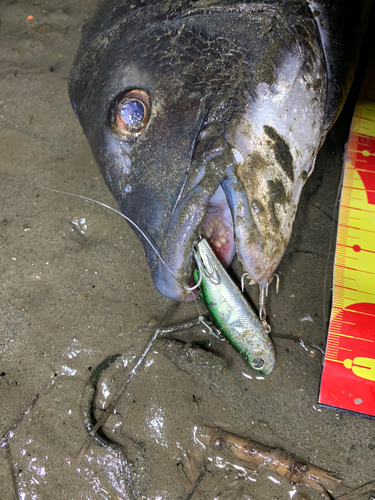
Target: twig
[11, 470]
[180, 327]
[298, 340]
[362, 490]
[277, 460]
[196, 484]
[108, 411]
[10, 432]
[192, 472]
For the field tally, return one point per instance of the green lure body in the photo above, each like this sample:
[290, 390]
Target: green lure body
[232, 313]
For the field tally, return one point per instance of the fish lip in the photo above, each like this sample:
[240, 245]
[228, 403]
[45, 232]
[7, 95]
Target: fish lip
[171, 276]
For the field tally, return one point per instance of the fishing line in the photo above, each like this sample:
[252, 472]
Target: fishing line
[334, 221]
[202, 270]
[201, 320]
[200, 266]
[86, 198]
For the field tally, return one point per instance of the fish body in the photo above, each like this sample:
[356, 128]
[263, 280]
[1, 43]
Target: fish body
[232, 313]
[206, 117]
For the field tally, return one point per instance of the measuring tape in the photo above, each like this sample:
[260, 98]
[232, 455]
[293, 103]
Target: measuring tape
[348, 379]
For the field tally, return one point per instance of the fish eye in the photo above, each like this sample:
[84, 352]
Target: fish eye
[130, 112]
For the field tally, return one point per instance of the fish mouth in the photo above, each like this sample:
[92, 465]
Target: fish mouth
[233, 221]
[229, 225]
[218, 228]
[211, 219]
[243, 194]
[249, 212]
[226, 220]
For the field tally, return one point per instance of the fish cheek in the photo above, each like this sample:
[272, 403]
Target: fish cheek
[161, 159]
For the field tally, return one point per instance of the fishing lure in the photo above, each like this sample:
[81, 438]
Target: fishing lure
[232, 313]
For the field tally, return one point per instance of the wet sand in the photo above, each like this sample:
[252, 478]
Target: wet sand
[76, 289]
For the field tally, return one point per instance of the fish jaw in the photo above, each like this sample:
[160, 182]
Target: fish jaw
[200, 207]
[275, 146]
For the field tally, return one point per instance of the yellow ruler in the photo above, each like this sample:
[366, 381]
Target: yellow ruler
[348, 379]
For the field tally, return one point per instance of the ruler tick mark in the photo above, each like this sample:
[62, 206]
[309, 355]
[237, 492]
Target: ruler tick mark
[352, 337]
[353, 289]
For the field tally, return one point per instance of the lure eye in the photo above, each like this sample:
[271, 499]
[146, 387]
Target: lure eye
[258, 363]
[130, 113]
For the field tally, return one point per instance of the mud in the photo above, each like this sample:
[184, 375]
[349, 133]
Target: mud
[76, 289]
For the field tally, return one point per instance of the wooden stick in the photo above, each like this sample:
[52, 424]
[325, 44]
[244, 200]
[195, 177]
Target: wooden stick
[12, 471]
[279, 461]
[362, 490]
[10, 432]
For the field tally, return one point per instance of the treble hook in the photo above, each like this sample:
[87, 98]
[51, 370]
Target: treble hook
[212, 329]
[211, 274]
[277, 282]
[251, 281]
[263, 292]
[190, 289]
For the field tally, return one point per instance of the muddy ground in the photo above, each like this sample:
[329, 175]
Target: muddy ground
[76, 289]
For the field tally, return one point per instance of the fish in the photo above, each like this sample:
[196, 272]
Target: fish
[232, 313]
[206, 117]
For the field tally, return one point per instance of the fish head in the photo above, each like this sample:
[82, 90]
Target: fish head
[204, 122]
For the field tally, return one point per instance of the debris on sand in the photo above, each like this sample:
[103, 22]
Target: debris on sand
[256, 454]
